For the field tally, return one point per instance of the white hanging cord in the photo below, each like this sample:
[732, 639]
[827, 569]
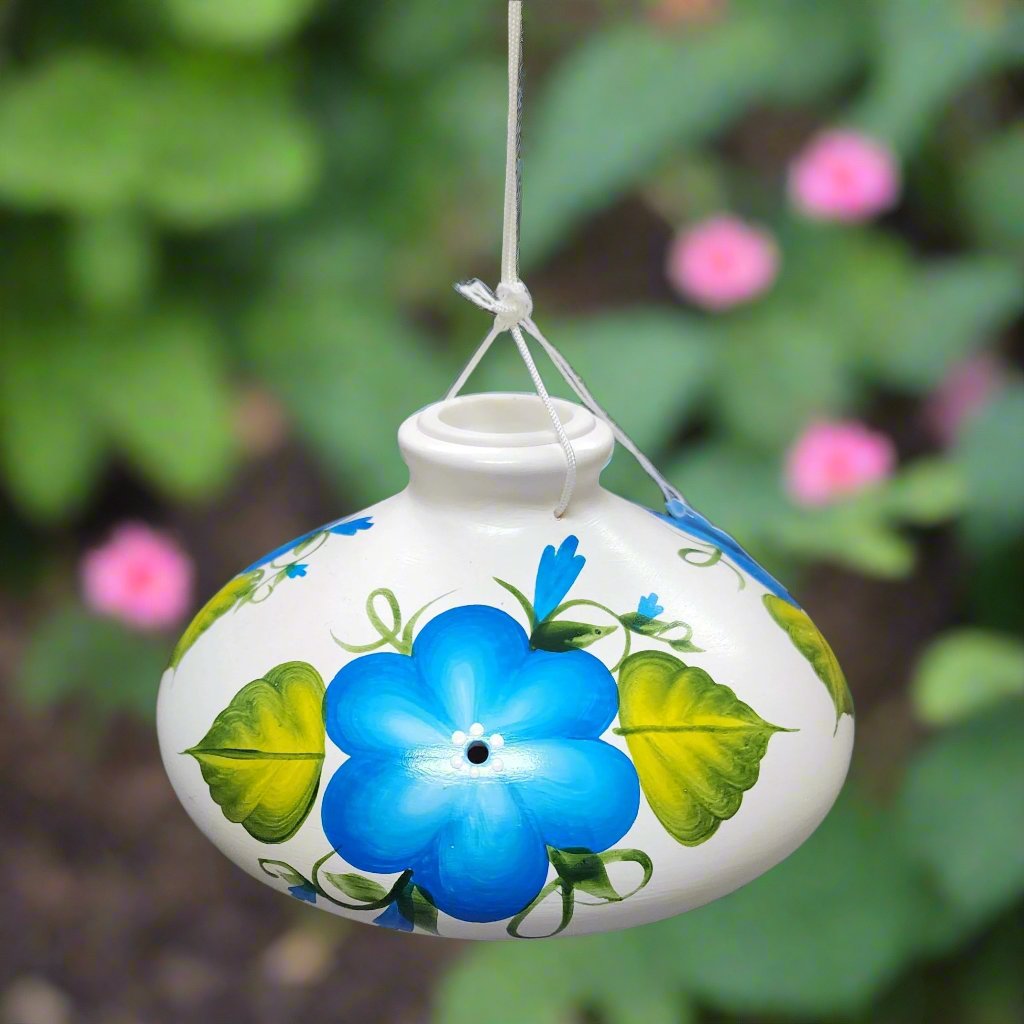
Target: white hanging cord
[512, 305]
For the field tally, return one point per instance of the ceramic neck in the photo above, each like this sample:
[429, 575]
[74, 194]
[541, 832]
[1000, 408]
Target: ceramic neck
[483, 449]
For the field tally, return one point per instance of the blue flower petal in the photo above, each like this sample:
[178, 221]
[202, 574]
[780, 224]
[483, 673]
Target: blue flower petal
[581, 793]
[467, 659]
[489, 861]
[303, 892]
[378, 704]
[295, 569]
[381, 815]
[352, 527]
[649, 607]
[556, 574]
[571, 695]
[394, 919]
[689, 520]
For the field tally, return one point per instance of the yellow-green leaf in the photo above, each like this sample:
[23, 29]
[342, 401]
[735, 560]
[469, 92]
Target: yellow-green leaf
[807, 639]
[220, 604]
[696, 746]
[263, 755]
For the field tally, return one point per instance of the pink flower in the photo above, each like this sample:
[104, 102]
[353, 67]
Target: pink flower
[965, 391]
[722, 262]
[139, 576]
[837, 458]
[844, 176]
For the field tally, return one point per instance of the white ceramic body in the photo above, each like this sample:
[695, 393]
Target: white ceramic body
[485, 476]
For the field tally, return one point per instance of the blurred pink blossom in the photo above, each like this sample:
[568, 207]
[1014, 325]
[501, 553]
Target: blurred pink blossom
[140, 576]
[836, 458]
[722, 262]
[965, 391]
[844, 176]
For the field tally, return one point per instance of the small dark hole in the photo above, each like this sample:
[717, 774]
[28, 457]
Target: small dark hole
[477, 752]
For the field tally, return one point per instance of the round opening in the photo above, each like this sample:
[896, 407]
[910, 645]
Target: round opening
[477, 752]
[499, 417]
[502, 420]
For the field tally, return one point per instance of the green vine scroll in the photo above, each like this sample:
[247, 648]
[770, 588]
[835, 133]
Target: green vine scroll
[405, 905]
[579, 871]
[711, 556]
[390, 636]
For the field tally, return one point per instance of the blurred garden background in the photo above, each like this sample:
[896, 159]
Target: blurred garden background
[783, 242]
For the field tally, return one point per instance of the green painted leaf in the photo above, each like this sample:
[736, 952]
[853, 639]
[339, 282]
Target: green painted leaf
[965, 671]
[807, 639]
[417, 907]
[356, 887]
[263, 755]
[992, 196]
[227, 598]
[696, 746]
[562, 635]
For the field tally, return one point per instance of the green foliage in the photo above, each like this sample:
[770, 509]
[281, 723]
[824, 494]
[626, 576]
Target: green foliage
[100, 665]
[962, 813]
[965, 671]
[992, 197]
[243, 23]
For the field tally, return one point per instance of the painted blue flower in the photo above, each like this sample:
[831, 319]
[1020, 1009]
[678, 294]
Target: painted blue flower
[556, 574]
[469, 757]
[346, 528]
[649, 607]
[304, 892]
[394, 919]
[296, 569]
[687, 519]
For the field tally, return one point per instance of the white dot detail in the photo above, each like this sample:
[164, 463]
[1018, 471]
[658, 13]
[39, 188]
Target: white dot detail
[497, 765]
[474, 773]
[476, 729]
[457, 761]
[497, 741]
[459, 738]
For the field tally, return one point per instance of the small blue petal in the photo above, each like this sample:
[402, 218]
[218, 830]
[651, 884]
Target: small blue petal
[394, 919]
[557, 572]
[649, 607]
[353, 526]
[295, 569]
[690, 521]
[303, 892]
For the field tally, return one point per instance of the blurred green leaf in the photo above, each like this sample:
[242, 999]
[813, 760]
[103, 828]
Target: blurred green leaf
[990, 187]
[925, 493]
[409, 37]
[245, 23]
[157, 386]
[925, 53]
[72, 133]
[654, 363]
[542, 983]
[778, 370]
[224, 141]
[820, 934]
[962, 813]
[992, 457]
[72, 654]
[948, 311]
[112, 259]
[624, 98]
[51, 449]
[965, 671]
[198, 141]
[350, 374]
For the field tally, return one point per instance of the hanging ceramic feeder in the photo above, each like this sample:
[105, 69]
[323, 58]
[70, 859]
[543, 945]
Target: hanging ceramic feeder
[459, 713]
